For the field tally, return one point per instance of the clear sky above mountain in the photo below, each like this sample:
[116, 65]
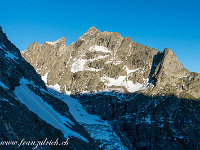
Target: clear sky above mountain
[158, 24]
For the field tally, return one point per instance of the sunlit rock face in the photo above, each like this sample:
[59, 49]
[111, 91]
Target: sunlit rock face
[100, 61]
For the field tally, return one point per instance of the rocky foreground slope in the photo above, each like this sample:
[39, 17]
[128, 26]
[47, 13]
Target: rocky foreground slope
[100, 61]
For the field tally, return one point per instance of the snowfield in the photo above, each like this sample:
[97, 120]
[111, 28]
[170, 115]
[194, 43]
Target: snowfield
[124, 82]
[44, 111]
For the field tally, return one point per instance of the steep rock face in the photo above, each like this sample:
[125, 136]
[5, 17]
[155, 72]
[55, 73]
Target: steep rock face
[193, 84]
[29, 111]
[106, 61]
[45, 55]
[143, 122]
[171, 78]
[169, 69]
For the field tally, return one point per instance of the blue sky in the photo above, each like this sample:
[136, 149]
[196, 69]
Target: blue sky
[160, 24]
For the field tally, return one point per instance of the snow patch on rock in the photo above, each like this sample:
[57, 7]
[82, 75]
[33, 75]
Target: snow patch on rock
[78, 65]
[115, 62]
[123, 82]
[44, 78]
[99, 49]
[55, 87]
[130, 71]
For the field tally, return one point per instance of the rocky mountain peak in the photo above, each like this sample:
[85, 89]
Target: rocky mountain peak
[89, 35]
[92, 29]
[171, 62]
[106, 61]
[169, 69]
[168, 50]
[95, 36]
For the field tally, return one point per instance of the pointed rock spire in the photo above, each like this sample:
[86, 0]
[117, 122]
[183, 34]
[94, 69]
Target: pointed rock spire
[168, 69]
[92, 29]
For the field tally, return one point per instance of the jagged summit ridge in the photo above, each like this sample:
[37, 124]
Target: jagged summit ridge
[100, 61]
[46, 54]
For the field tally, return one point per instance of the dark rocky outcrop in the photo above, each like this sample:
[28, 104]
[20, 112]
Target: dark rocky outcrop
[143, 122]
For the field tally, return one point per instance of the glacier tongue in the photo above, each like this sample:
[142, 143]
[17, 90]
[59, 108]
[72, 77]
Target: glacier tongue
[94, 125]
[44, 111]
